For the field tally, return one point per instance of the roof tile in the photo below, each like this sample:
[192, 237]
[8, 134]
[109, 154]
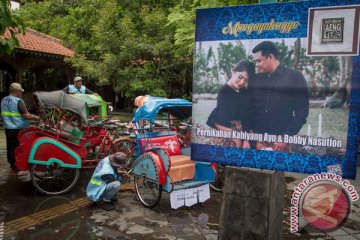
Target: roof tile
[33, 40]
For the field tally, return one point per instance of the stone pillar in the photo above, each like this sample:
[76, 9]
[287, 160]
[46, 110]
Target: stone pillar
[252, 206]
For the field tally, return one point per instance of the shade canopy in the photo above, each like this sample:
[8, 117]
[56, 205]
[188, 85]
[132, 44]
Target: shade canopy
[77, 103]
[177, 107]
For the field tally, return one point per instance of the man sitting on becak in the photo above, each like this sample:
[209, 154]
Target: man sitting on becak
[105, 181]
[77, 87]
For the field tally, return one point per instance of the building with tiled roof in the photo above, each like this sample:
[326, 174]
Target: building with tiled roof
[38, 63]
[38, 42]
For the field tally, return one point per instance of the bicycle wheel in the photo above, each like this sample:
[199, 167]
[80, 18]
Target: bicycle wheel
[218, 184]
[127, 146]
[54, 179]
[148, 192]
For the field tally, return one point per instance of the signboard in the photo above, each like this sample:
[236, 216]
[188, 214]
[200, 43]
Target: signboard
[190, 196]
[276, 86]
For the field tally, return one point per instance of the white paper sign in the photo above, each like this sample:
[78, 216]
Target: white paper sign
[177, 199]
[191, 197]
[203, 192]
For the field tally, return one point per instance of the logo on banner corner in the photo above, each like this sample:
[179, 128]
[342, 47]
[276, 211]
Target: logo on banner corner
[323, 201]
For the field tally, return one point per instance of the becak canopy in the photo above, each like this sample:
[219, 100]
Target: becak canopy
[59, 99]
[178, 107]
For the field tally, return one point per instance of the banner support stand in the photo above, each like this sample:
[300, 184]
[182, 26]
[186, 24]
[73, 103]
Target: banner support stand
[253, 204]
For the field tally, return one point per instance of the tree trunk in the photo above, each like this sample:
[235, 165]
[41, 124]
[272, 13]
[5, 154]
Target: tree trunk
[342, 93]
[297, 47]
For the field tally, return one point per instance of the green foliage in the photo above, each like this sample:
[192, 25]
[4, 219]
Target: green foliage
[286, 54]
[209, 67]
[138, 47]
[76, 28]
[183, 15]
[9, 21]
[229, 56]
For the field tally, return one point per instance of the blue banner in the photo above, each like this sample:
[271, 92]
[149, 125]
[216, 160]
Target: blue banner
[277, 86]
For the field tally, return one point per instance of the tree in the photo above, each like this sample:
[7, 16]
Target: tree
[230, 55]
[206, 71]
[9, 21]
[136, 46]
[342, 93]
[212, 70]
[182, 16]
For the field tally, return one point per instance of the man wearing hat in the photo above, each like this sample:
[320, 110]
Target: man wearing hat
[105, 181]
[15, 117]
[77, 87]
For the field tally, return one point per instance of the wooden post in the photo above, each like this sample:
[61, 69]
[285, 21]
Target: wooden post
[253, 202]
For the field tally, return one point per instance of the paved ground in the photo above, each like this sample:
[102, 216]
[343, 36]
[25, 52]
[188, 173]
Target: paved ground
[30, 215]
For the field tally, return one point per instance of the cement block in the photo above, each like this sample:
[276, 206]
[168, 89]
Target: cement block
[253, 204]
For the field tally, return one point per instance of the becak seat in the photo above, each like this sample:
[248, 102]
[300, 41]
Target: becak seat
[182, 167]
